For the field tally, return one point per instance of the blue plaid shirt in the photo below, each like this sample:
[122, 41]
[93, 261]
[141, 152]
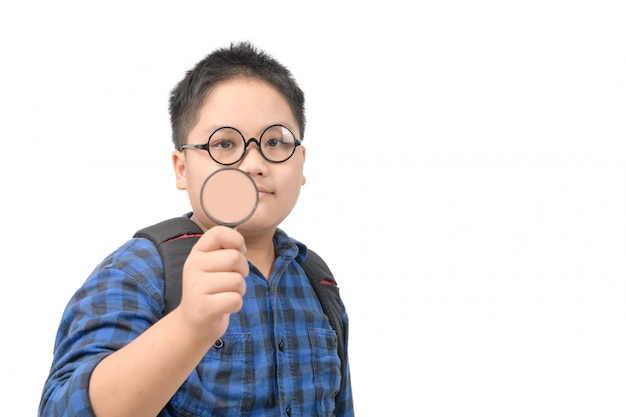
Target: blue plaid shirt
[277, 358]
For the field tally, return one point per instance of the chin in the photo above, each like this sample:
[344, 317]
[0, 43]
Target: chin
[259, 225]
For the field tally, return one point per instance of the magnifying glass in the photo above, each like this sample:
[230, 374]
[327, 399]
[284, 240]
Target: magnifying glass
[229, 197]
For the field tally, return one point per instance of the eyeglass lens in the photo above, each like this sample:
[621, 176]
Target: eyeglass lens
[227, 145]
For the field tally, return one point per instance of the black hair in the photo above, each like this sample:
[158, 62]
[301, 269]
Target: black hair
[240, 59]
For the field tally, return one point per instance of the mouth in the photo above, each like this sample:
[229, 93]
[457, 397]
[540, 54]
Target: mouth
[263, 191]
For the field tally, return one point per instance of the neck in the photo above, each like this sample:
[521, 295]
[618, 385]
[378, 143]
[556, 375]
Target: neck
[261, 254]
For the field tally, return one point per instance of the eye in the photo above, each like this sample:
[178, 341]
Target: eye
[225, 139]
[274, 143]
[222, 144]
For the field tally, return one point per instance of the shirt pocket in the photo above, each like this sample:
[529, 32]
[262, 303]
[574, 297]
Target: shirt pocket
[326, 369]
[223, 382]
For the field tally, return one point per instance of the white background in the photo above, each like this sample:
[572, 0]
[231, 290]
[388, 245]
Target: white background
[465, 164]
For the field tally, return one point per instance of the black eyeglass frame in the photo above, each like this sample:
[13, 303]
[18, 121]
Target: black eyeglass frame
[205, 146]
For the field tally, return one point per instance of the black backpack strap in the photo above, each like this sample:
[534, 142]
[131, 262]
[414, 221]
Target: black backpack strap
[174, 239]
[327, 291]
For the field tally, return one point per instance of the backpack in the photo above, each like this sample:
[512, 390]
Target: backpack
[174, 239]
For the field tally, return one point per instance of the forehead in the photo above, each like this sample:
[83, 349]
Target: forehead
[245, 100]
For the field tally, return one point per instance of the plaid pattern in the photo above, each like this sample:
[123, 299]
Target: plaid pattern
[278, 356]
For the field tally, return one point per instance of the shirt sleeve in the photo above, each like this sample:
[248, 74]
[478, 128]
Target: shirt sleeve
[118, 302]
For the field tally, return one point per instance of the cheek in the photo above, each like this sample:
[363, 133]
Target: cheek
[198, 170]
[292, 190]
[195, 180]
[194, 184]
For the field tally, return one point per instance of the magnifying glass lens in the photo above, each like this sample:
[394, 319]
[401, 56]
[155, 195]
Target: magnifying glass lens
[229, 197]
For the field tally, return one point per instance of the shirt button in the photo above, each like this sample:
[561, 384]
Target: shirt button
[282, 348]
[288, 410]
[219, 343]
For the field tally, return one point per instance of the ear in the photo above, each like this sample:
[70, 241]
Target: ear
[303, 159]
[180, 170]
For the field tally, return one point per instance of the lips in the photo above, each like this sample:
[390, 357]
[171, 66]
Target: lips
[264, 191]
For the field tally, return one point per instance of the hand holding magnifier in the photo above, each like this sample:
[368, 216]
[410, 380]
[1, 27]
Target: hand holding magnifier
[229, 197]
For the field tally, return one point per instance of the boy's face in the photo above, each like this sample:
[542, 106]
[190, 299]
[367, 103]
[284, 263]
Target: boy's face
[249, 105]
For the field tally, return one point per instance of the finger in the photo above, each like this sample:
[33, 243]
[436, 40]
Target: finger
[220, 237]
[222, 260]
[227, 302]
[216, 283]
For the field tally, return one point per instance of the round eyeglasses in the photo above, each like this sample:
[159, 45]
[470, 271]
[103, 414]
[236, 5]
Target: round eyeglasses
[227, 146]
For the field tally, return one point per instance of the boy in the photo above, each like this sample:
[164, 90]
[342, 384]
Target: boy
[249, 336]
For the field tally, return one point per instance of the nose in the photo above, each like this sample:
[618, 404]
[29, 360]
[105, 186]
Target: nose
[253, 161]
